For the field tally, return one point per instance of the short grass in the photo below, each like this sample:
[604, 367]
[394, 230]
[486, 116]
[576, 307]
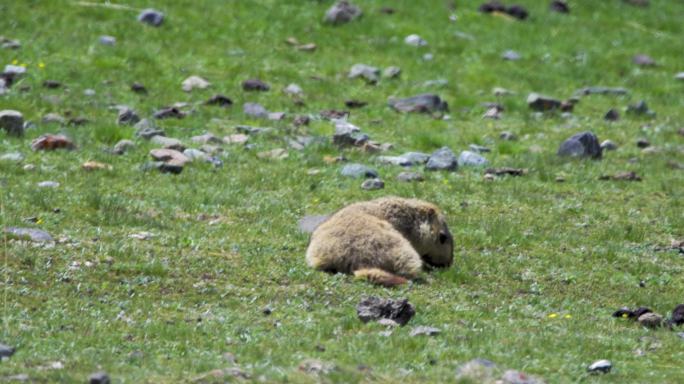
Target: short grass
[226, 243]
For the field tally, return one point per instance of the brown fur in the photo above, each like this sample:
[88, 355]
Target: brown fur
[386, 241]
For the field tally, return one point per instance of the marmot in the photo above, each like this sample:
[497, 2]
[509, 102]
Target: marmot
[386, 241]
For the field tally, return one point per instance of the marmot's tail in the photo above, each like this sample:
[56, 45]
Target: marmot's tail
[380, 277]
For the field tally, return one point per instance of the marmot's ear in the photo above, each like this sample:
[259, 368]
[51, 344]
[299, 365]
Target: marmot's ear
[431, 213]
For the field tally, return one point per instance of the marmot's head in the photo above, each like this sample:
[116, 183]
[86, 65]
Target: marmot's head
[434, 243]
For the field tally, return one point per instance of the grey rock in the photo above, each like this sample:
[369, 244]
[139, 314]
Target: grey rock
[608, 145]
[511, 55]
[99, 378]
[169, 112]
[612, 115]
[342, 12]
[508, 136]
[50, 118]
[3, 86]
[442, 159]
[600, 366]
[467, 158]
[14, 70]
[194, 82]
[249, 130]
[680, 335]
[29, 234]
[347, 134]
[415, 41]
[370, 74]
[12, 122]
[89, 92]
[169, 156]
[374, 308]
[48, 184]
[6, 351]
[293, 90]
[151, 17]
[541, 103]
[643, 60]
[394, 72]
[409, 177]
[255, 85]
[616, 91]
[301, 142]
[123, 146]
[516, 377]
[584, 144]
[7, 43]
[428, 57]
[372, 184]
[424, 330]
[15, 157]
[219, 100]
[358, 171]
[437, 83]
[406, 160]
[127, 116]
[255, 110]
[679, 76]
[168, 142]
[146, 129]
[276, 116]
[206, 138]
[425, 103]
[650, 320]
[477, 371]
[479, 148]
[640, 109]
[107, 40]
[195, 154]
[308, 224]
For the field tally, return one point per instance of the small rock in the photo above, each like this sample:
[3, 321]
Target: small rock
[358, 171]
[477, 371]
[15, 157]
[14, 70]
[394, 72]
[505, 171]
[370, 74]
[151, 17]
[612, 115]
[333, 114]
[170, 156]
[194, 82]
[347, 134]
[169, 112]
[583, 144]
[308, 224]
[99, 378]
[608, 145]
[542, 103]
[95, 165]
[640, 109]
[415, 40]
[50, 142]
[478, 148]
[206, 138]
[428, 57]
[353, 103]
[467, 158]
[5, 350]
[679, 76]
[517, 377]
[195, 154]
[107, 40]
[600, 366]
[12, 122]
[55, 118]
[625, 312]
[342, 12]
[127, 116]
[493, 113]
[122, 147]
[643, 61]
[602, 91]
[276, 116]
[277, 153]
[147, 130]
[629, 176]
[560, 6]
[511, 55]
[517, 12]
[409, 177]
[255, 110]
[7, 43]
[48, 184]
[316, 367]
[442, 159]
[678, 314]
[374, 308]
[28, 234]
[425, 103]
[255, 85]
[237, 138]
[219, 100]
[426, 331]
[51, 84]
[168, 142]
[372, 184]
[643, 143]
[508, 136]
[293, 90]
[650, 320]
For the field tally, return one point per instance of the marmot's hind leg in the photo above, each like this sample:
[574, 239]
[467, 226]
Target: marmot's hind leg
[380, 277]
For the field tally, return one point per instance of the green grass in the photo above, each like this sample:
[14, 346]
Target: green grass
[225, 239]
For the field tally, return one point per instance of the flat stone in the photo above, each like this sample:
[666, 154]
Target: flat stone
[98, 378]
[425, 331]
[255, 110]
[308, 224]
[342, 12]
[12, 122]
[16, 157]
[425, 103]
[584, 144]
[358, 171]
[194, 82]
[123, 146]
[643, 60]
[50, 142]
[415, 41]
[511, 55]
[169, 112]
[505, 171]
[6, 351]
[127, 116]
[442, 159]
[168, 142]
[29, 234]
[406, 160]
[107, 40]
[370, 74]
[374, 308]
[393, 72]
[206, 138]
[170, 156]
[151, 17]
[372, 184]
[237, 138]
[146, 129]
[347, 134]
[468, 158]
[600, 366]
[255, 85]
[276, 116]
[48, 184]
[541, 103]
[219, 100]
[650, 320]
[598, 90]
[409, 177]
[293, 90]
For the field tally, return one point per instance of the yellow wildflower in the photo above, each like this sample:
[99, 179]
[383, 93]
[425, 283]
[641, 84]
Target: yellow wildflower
[553, 315]
[15, 62]
[567, 316]
[41, 65]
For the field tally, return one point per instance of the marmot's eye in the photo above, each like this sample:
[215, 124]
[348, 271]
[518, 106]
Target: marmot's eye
[443, 238]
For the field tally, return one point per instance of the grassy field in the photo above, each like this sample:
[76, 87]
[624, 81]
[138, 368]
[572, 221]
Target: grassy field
[539, 265]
